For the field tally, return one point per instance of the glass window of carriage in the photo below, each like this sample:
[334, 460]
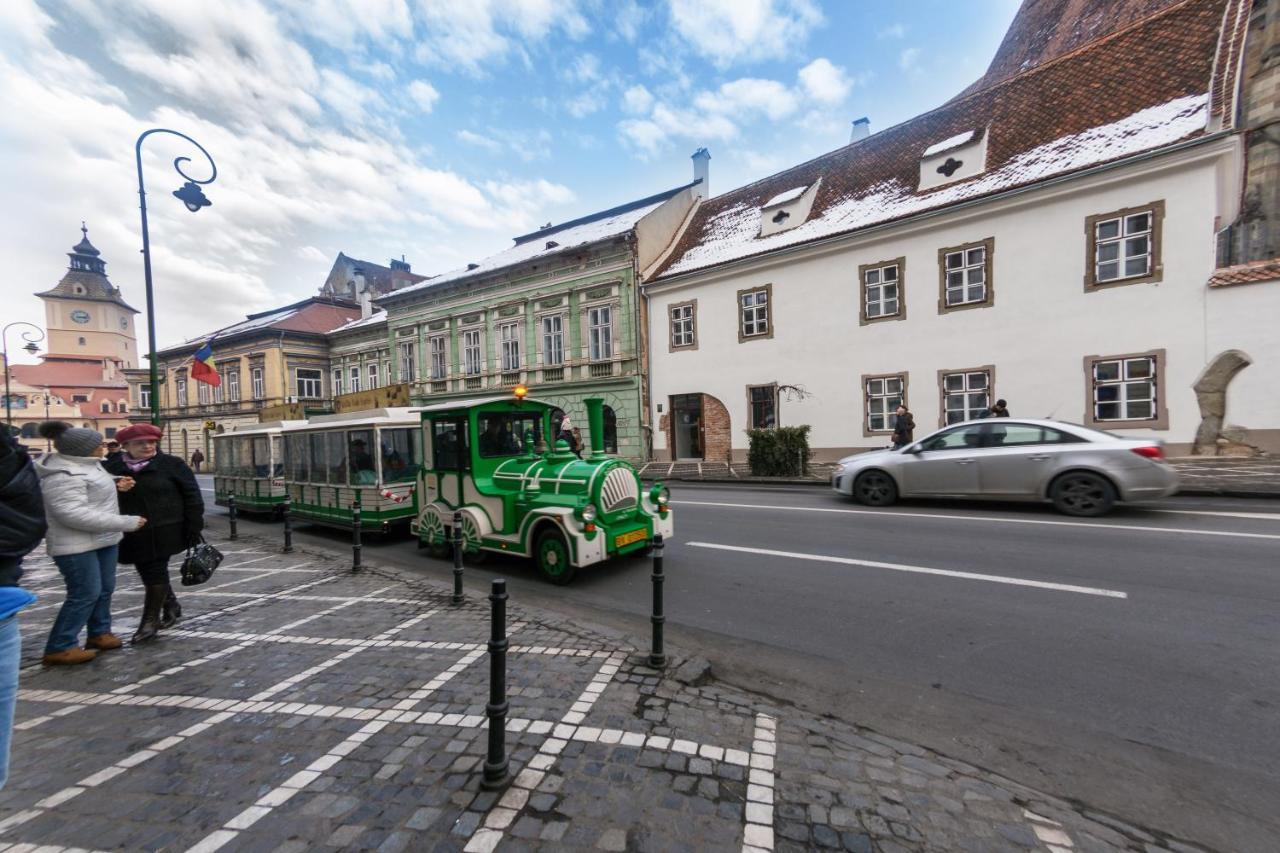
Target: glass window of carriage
[1022, 435]
[449, 444]
[961, 438]
[506, 433]
[399, 449]
[360, 459]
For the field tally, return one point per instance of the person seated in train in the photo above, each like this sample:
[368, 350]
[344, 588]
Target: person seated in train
[496, 440]
[361, 464]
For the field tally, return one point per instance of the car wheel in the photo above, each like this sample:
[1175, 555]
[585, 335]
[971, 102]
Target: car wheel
[552, 556]
[1083, 494]
[875, 488]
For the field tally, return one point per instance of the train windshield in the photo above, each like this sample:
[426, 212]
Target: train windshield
[508, 433]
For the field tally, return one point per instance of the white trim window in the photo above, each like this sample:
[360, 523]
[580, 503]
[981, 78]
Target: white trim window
[754, 305]
[233, 385]
[600, 333]
[255, 377]
[965, 395]
[336, 380]
[309, 381]
[353, 378]
[880, 291]
[439, 358]
[883, 397]
[1124, 389]
[509, 336]
[372, 369]
[217, 389]
[471, 363]
[181, 385]
[144, 396]
[408, 362]
[202, 393]
[966, 276]
[553, 340]
[1123, 247]
[682, 325]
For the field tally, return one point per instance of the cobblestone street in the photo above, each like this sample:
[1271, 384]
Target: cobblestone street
[299, 707]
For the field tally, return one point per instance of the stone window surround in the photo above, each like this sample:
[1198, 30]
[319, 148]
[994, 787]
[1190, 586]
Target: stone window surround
[989, 369]
[584, 321]
[769, 313]
[431, 355]
[1160, 421]
[688, 303]
[905, 376]
[561, 311]
[774, 387]
[1156, 208]
[863, 319]
[989, 243]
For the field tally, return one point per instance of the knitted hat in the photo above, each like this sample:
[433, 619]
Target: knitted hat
[139, 431]
[69, 440]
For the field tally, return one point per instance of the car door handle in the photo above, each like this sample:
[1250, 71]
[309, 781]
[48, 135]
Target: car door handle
[965, 461]
[1040, 458]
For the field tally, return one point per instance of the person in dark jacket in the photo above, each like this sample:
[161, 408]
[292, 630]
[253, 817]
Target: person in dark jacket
[904, 426]
[197, 459]
[165, 492]
[22, 526]
[999, 410]
[113, 451]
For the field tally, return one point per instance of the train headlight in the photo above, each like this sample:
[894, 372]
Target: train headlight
[660, 494]
[589, 513]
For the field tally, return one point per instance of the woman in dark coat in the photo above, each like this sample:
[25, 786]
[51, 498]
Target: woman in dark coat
[166, 493]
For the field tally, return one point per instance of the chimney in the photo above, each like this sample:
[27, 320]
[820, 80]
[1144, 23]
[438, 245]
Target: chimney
[861, 129]
[702, 172]
[362, 294]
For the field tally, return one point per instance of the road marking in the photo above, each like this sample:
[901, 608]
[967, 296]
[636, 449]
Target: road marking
[1001, 519]
[1265, 516]
[920, 570]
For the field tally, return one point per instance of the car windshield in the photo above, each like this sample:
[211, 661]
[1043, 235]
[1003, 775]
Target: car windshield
[505, 433]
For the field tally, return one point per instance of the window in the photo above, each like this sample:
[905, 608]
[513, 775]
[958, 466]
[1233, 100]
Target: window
[308, 383]
[408, 362]
[1127, 390]
[106, 407]
[684, 325]
[449, 444]
[233, 385]
[882, 297]
[753, 313]
[966, 276]
[471, 353]
[965, 437]
[255, 376]
[600, 333]
[506, 433]
[763, 403]
[882, 395]
[122, 407]
[509, 335]
[144, 396]
[372, 370]
[1124, 246]
[353, 375]
[81, 341]
[439, 358]
[202, 393]
[399, 450]
[360, 460]
[109, 432]
[336, 457]
[296, 457]
[217, 389]
[336, 377]
[966, 394]
[553, 340]
[996, 433]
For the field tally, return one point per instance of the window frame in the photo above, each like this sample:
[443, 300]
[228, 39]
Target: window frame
[318, 379]
[547, 337]
[180, 392]
[257, 381]
[1156, 246]
[353, 378]
[438, 346]
[601, 336]
[751, 405]
[692, 319]
[1160, 410]
[988, 266]
[943, 373]
[864, 318]
[407, 360]
[866, 378]
[371, 374]
[144, 396]
[335, 381]
[203, 397]
[743, 337]
[233, 385]
[509, 346]
[477, 349]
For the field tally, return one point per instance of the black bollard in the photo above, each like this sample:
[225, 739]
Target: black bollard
[355, 537]
[287, 514]
[457, 559]
[657, 658]
[231, 515]
[495, 765]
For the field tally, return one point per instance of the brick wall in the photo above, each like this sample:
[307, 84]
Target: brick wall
[717, 432]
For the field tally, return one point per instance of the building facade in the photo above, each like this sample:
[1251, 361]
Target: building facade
[1047, 237]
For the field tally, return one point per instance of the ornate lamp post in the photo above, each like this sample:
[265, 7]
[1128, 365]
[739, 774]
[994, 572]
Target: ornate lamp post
[31, 339]
[193, 197]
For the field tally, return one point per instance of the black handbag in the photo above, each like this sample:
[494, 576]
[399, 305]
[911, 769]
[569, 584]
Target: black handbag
[197, 567]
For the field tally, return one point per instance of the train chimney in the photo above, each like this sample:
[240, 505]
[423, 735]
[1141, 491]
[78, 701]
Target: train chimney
[595, 426]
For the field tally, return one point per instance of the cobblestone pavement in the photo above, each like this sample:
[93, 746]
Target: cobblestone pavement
[301, 707]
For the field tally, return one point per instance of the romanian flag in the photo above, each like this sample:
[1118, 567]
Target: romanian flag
[202, 369]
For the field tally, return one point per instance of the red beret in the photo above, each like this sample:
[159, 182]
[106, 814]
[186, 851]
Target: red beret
[139, 431]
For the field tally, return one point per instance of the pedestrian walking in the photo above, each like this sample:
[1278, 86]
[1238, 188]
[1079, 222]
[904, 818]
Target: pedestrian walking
[165, 492]
[197, 458]
[85, 528]
[904, 426]
[22, 526]
[569, 436]
[999, 410]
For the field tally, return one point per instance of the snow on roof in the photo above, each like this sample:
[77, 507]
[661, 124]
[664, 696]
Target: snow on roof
[947, 144]
[373, 319]
[732, 233]
[782, 198]
[258, 322]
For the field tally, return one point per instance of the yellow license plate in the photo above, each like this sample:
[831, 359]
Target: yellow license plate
[628, 538]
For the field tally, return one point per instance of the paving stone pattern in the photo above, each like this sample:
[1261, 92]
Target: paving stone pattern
[300, 707]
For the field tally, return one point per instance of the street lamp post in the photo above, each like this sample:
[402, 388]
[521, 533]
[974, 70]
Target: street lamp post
[193, 197]
[31, 347]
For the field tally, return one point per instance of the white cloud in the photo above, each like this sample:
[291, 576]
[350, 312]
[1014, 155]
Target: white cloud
[628, 19]
[423, 94]
[907, 59]
[824, 82]
[311, 253]
[479, 140]
[748, 95]
[585, 69]
[467, 34]
[338, 22]
[380, 71]
[726, 31]
[637, 99]
[585, 103]
[893, 31]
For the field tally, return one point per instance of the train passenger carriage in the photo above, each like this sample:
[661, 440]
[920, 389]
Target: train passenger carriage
[249, 463]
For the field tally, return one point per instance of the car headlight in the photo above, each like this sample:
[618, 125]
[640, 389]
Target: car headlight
[589, 513]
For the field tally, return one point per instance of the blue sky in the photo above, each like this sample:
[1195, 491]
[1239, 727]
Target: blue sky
[430, 128]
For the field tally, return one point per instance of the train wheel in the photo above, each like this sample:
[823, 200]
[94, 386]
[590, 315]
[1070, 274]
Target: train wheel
[552, 555]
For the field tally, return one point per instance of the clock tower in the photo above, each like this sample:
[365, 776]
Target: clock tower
[85, 315]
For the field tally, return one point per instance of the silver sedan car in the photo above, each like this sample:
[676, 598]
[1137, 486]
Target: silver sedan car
[1082, 471]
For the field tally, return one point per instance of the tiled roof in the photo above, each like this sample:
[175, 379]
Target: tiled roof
[69, 374]
[378, 317]
[379, 279]
[311, 316]
[1133, 91]
[1268, 270]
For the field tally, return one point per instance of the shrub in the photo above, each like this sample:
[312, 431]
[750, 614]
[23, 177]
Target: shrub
[780, 452]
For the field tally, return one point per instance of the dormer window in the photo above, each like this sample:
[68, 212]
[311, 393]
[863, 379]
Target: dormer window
[955, 158]
[780, 217]
[788, 209]
[551, 244]
[949, 168]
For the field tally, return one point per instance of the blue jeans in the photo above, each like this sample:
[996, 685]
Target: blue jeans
[91, 579]
[10, 651]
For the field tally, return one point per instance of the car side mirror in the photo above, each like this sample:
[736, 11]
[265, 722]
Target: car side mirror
[913, 449]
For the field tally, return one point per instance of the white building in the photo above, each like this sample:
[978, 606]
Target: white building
[1047, 237]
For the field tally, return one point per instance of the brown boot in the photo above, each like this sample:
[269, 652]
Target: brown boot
[103, 642]
[69, 657]
[150, 624]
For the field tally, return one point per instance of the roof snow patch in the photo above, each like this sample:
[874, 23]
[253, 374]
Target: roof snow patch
[782, 198]
[947, 144]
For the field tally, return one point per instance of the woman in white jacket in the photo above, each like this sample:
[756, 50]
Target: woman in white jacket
[85, 528]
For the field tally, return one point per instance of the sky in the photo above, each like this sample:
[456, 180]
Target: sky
[436, 130]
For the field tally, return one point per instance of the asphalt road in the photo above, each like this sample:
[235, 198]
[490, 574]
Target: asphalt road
[1132, 662]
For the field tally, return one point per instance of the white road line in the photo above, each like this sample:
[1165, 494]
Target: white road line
[996, 518]
[1264, 516]
[921, 570]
